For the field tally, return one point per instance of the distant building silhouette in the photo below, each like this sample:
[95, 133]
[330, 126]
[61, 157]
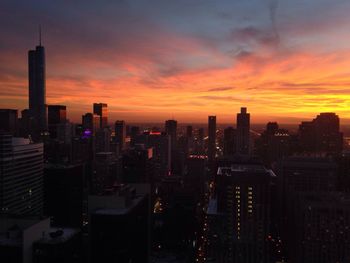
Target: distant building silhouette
[57, 114]
[101, 110]
[91, 122]
[229, 141]
[243, 132]
[321, 135]
[211, 138]
[120, 135]
[9, 121]
[171, 129]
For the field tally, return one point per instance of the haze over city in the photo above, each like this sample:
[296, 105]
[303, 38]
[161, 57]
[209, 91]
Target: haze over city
[154, 60]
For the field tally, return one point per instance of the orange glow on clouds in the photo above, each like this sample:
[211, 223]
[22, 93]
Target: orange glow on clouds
[287, 85]
[159, 74]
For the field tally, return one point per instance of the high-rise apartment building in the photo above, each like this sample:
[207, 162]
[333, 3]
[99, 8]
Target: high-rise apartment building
[21, 176]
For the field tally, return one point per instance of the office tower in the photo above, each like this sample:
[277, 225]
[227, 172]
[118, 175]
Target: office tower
[160, 142]
[91, 122]
[21, 180]
[64, 193]
[8, 121]
[200, 141]
[120, 225]
[196, 174]
[309, 174]
[306, 174]
[171, 129]
[321, 135]
[243, 199]
[211, 138]
[25, 124]
[243, 132]
[57, 115]
[229, 141]
[271, 128]
[105, 172]
[319, 229]
[328, 137]
[101, 110]
[120, 135]
[138, 165]
[102, 140]
[307, 138]
[189, 131]
[134, 132]
[278, 145]
[37, 89]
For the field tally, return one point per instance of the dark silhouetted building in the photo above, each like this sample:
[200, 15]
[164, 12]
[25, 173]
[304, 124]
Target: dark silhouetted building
[103, 140]
[211, 138]
[57, 115]
[105, 172]
[21, 176]
[243, 132]
[138, 165]
[64, 192]
[243, 199]
[229, 141]
[319, 228]
[120, 135]
[119, 225]
[321, 135]
[101, 110]
[91, 122]
[8, 121]
[189, 131]
[134, 132]
[37, 89]
[171, 129]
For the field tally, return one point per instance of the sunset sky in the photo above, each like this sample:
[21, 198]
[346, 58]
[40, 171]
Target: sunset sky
[151, 60]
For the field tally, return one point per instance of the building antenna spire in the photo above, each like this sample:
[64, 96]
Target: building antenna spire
[39, 35]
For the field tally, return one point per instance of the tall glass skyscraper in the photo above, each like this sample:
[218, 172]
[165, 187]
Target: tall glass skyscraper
[37, 88]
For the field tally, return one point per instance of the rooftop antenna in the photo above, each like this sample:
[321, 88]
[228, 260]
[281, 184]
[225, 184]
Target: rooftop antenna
[39, 35]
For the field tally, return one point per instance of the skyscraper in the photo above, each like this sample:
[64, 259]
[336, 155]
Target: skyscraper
[37, 88]
[21, 180]
[8, 120]
[243, 199]
[120, 134]
[171, 129]
[243, 132]
[229, 141]
[211, 137]
[101, 110]
[91, 122]
[57, 115]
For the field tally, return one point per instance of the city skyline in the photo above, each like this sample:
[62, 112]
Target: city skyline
[183, 59]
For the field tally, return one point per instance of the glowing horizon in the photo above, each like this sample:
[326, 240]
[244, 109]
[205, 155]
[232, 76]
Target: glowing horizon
[183, 60]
